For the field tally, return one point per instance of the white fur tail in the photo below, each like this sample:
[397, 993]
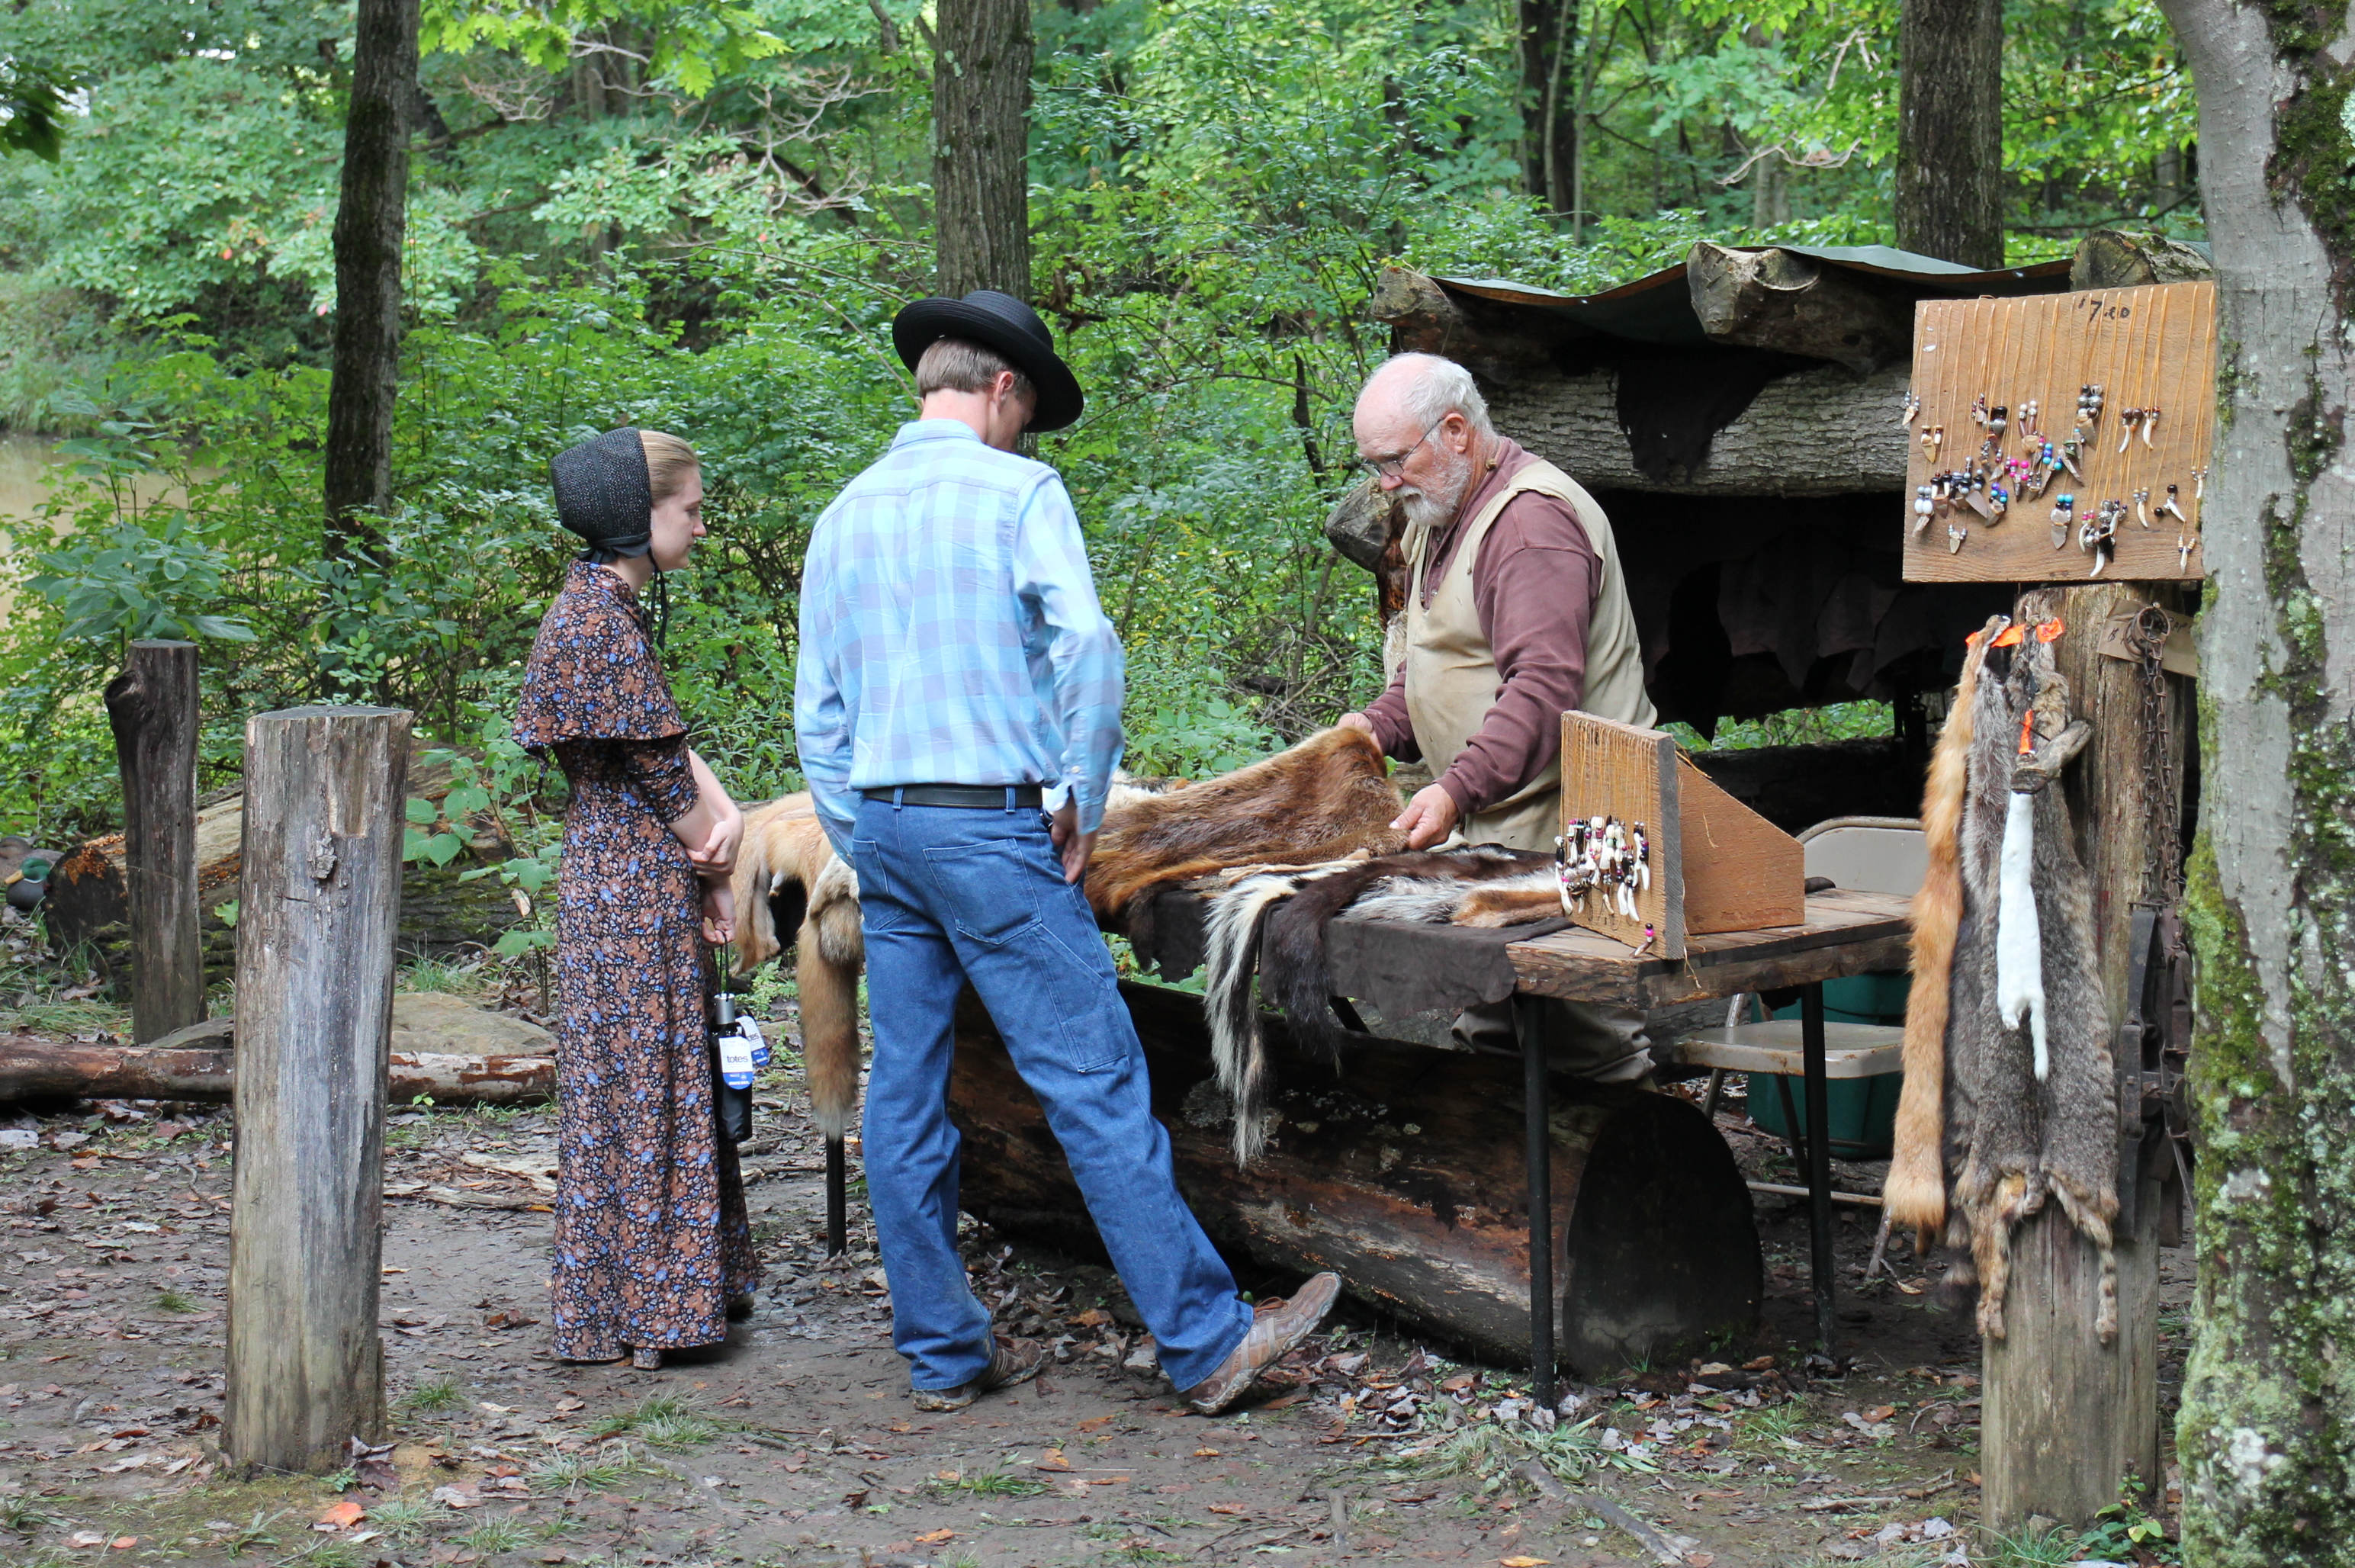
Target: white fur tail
[1232, 955]
[2018, 941]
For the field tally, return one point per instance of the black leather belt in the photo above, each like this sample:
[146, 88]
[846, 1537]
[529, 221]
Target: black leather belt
[980, 797]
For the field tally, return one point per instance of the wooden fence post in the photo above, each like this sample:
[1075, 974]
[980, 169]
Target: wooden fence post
[2064, 1416]
[152, 708]
[319, 898]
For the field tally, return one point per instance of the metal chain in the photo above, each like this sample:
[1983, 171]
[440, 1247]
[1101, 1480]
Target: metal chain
[2163, 868]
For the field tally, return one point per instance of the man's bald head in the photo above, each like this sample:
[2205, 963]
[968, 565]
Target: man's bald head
[1421, 391]
[1422, 427]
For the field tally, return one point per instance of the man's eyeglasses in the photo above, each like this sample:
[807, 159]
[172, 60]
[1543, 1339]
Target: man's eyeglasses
[1395, 464]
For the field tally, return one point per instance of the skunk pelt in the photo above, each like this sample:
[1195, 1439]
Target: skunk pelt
[1273, 923]
[1324, 798]
[788, 877]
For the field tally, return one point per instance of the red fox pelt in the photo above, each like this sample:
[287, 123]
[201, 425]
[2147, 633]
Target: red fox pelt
[788, 875]
[1915, 1191]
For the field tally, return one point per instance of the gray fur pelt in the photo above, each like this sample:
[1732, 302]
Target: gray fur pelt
[1272, 924]
[2012, 1141]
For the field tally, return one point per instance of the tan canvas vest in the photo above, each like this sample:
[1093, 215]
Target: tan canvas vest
[1450, 670]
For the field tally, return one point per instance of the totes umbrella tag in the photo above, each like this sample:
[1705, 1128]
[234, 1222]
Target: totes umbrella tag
[758, 1043]
[736, 1055]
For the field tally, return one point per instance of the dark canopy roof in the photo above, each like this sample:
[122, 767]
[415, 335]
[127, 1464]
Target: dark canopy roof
[1659, 308]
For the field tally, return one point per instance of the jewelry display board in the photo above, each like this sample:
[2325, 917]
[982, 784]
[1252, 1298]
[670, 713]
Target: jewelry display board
[1703, 861]
[2060, 437]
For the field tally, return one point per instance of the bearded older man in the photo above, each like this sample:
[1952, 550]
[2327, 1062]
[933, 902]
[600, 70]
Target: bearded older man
[1516, 610]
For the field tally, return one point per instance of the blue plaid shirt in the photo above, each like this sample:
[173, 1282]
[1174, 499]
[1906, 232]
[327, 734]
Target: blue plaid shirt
[949, 633]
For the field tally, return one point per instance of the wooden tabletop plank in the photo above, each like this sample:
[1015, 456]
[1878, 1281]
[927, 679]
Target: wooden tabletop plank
[1846, 933]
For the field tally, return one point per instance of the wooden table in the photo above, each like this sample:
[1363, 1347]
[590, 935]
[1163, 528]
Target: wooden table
[1844, 934]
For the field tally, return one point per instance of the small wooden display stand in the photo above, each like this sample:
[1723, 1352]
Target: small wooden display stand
[1716, 864]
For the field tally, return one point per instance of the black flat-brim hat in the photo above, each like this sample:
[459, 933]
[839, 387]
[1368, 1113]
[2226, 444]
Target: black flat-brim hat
[1007, 327]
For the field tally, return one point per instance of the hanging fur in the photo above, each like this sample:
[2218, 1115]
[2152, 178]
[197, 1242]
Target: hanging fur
[1916, 1189]
[1323, 798]
[1273, 923]
[2018, 942]
[2029, 1136]
[789, 878]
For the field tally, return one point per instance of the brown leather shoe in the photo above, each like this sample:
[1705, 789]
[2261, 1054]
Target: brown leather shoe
[1011, 1361]
[1276, 1327]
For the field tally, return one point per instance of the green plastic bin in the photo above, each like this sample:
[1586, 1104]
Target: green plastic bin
[1863, 1111]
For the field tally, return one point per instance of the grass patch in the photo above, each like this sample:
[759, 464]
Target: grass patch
[168, 1300]
[25, 1515]
[661, 1421]
[83, 1015]
[332, 1554]
[2053, 1548]
[427, 1398]
[999, 1482]
[493, 1536]
[598, 1472]
[446, 977]
[252, 1535]
[404, 1522]
[1773, 1424]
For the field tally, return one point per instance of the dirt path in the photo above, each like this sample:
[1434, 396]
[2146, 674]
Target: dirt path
[795, 1443]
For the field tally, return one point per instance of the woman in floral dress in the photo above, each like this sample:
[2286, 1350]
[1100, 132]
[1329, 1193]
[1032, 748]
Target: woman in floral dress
[653, 1247]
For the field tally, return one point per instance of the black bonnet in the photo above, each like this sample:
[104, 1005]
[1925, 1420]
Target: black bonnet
[604, 494]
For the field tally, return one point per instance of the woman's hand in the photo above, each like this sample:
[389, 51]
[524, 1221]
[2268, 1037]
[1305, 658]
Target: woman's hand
[717, 858]
[714, 852]
[719, 911]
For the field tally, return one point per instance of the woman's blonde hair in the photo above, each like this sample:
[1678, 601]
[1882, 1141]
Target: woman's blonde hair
[669, 463]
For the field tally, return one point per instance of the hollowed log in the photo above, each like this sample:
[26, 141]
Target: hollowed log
[1405, 1174]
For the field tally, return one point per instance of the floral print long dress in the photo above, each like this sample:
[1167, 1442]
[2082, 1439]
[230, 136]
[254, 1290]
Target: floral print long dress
[652, 1237]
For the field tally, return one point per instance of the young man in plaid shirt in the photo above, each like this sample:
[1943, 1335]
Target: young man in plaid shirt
[957, 708]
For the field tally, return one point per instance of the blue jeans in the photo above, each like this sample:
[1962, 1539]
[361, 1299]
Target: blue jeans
[952, 894]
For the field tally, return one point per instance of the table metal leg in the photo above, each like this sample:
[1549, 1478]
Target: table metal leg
[1529, 1022]
[1819, 1159]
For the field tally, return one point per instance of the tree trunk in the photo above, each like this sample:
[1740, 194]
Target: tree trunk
[1950, 130]
[981, 156]
[371, 221]
[152, 708]
[2268, 1475]
[1549, 94]
[35, 1069]
[318, 897]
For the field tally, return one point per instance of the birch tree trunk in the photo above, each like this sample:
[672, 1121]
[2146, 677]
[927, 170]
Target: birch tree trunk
[981, 146]
[2268, 1469]
[371, 219]
[1950, 130]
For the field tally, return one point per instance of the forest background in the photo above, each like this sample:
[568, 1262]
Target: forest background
[701, 217]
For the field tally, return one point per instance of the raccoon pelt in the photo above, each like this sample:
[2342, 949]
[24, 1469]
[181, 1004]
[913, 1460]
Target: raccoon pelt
[1273, 924]
[1324, 798]
[788, 877]
[2022, 1139]
[1915, 1189]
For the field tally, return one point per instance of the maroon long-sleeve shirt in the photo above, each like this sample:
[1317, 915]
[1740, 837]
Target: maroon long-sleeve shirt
[1533, 586]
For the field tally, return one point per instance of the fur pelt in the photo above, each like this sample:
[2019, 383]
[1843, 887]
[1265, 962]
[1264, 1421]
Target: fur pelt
[1324, 798]
[789, 878]
[1273, 923]
[2025, 1136]
[1916, 1189]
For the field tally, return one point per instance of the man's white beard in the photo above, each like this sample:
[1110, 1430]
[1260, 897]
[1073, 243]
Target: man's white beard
[1436, 508]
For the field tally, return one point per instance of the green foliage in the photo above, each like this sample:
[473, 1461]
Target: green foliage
[699, 215]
